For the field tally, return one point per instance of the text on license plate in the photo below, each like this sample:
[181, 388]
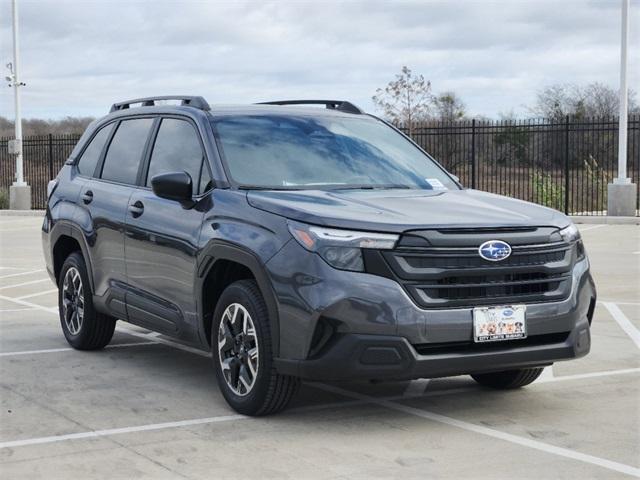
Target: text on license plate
[492, 324]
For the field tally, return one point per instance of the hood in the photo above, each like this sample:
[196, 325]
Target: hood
[400, 210]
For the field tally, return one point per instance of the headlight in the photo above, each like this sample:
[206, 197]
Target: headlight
[570, 234]
[340, 248]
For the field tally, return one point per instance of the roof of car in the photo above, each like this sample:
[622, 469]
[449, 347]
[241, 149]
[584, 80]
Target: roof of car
[218, 111]
[193, 104]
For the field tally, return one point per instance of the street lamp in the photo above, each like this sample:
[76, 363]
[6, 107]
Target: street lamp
[19, 192]
[622, 193]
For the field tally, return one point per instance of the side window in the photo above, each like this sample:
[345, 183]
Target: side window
[91, 155]
[177, 148]
[205, 179]
[125, 151]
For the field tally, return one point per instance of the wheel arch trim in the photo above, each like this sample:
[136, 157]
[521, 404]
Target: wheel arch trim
[218, 250]
[64, 228]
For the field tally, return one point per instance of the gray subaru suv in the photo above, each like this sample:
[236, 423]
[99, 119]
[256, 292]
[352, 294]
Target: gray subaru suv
[299, 242]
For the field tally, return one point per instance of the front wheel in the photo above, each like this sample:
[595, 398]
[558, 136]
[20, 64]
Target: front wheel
[242, 353]
[83, 327]
[508, 379]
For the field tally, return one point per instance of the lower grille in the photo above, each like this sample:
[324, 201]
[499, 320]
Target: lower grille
[518, 284]
[472, 347]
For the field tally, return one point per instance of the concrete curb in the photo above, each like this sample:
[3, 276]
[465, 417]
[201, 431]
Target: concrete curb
[604, 219]
[21, 213]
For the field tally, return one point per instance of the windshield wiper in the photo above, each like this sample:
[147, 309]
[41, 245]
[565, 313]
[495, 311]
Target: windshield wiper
[265, 187]
[386, 186]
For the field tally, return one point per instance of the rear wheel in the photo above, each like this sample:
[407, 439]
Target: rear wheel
[242, 353]
[83, 327]
[508, 379]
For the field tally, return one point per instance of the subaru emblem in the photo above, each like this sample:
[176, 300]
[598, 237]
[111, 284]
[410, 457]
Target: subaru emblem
[494, 250]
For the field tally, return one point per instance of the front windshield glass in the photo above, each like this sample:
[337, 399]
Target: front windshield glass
[323, 152]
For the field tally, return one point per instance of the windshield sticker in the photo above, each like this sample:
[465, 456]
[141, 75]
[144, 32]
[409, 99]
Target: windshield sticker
[435, 184]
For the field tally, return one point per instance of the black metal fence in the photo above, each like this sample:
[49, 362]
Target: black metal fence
[564, 164]
[43, 156]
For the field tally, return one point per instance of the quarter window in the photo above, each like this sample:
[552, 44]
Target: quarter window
[122, 160]
[177, 148]
[91, 155]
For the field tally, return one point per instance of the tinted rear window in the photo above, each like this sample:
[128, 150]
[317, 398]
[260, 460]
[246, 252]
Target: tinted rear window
[91, 155]
[125, 151]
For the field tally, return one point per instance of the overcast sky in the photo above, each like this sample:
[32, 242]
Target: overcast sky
[78, 57]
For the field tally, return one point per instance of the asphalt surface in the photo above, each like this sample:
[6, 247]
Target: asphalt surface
[148, 408]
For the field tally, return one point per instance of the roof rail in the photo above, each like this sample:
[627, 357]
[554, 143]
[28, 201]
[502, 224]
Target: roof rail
[340, 105]
[191, 101]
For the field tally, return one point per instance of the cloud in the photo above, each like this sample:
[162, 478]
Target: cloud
[78, 57]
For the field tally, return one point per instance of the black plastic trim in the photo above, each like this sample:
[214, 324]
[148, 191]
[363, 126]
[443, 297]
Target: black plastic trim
[222, 250]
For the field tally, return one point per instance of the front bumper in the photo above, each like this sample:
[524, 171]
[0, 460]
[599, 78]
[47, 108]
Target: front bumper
[381, 333]
[355, 356]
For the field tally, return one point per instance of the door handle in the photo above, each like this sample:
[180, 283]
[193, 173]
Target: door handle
[136, 209]
[87, 197]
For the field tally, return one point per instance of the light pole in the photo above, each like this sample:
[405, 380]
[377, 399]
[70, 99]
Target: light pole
[622, 193]
[19, 192]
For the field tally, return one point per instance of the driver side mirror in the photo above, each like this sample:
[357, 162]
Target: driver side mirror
[173, 186]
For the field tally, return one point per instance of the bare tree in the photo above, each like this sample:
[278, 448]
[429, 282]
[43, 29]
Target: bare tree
[449, 107]
[592, 100]
[37, 126]
[405, 100]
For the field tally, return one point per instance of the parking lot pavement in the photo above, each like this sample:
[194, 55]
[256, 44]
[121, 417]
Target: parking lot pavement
[145, 407]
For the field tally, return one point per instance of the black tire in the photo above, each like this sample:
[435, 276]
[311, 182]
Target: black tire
[95, 330]
[270, 392]
[509, 379]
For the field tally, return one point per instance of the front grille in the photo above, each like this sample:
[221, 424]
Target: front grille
[457, 276]
[454, 260]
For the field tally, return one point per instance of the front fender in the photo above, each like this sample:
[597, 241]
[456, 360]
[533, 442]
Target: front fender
[217, 250]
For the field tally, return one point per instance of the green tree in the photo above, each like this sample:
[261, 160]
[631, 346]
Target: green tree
[448, 107]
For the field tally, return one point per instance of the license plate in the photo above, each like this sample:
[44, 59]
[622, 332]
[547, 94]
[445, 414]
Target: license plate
[492, 324]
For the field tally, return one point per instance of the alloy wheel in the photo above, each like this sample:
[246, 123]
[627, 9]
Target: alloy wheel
[73, 300]
[238, 349]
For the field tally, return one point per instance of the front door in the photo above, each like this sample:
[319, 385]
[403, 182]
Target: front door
[162, 235]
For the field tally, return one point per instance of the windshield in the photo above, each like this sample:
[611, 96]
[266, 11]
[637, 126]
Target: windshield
[323, 152]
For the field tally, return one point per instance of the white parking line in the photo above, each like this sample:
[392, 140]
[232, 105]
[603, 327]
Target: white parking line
[202, 421]
[360, 400]
[117, 431]
[67, 349]
[37, 294]
[21, 273]
[547, 375]
[29, 304]
[592, 227]
[624, 322]
[582, 376]
[621, 302]
[4, 230]
[15, 285]
[164, 341]
[3, 310]
[417, 387]
[482, 430]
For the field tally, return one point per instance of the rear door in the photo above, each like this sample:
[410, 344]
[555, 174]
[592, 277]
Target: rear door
[105, 198]
[162, 235]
